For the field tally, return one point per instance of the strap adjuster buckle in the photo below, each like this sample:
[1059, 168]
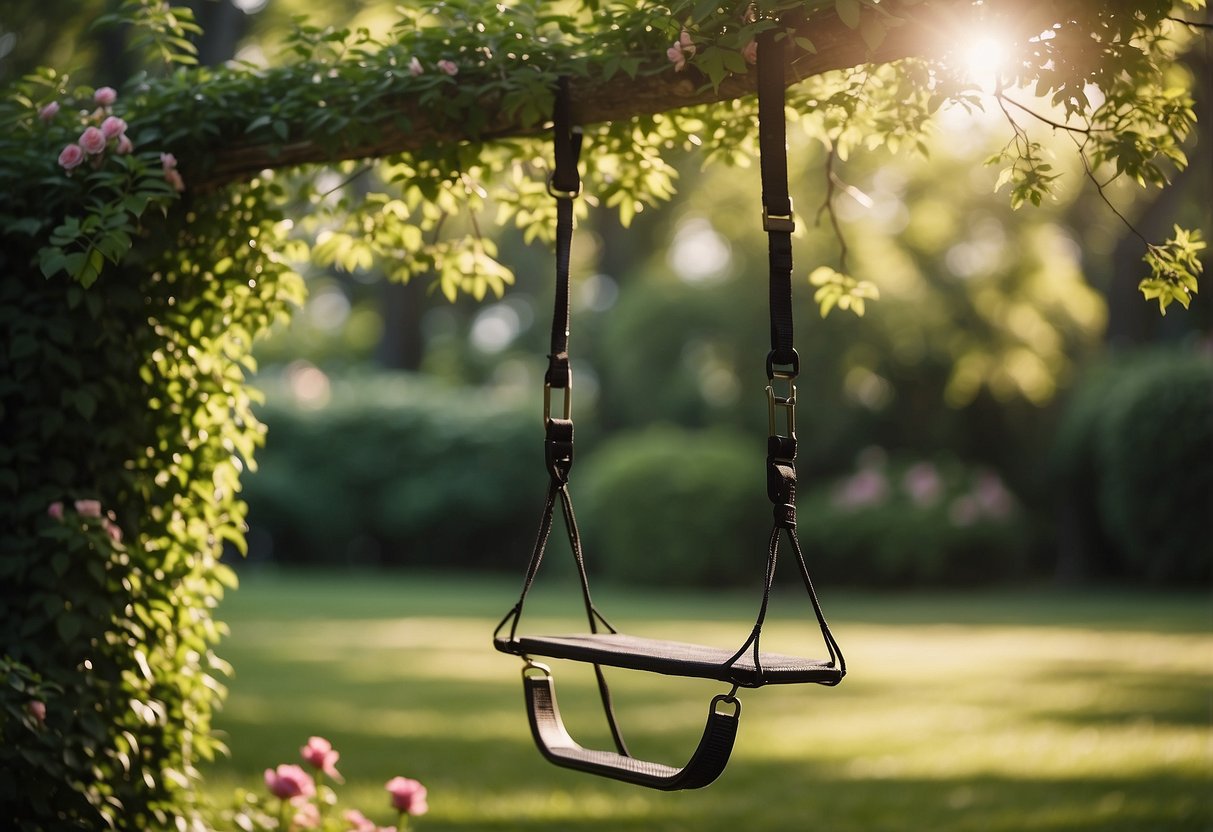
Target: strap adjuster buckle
[557, 193]
[787, 403]
[568, 400]
[778, 222]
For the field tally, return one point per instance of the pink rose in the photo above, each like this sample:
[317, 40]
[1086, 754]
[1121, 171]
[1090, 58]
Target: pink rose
[289, 781]
[319, 754]
[124, 146]
[105, 96]
[37, 710]
[88, 508]
[92, 141]
[359, 822]
[307, 817]
[173, 177]
[448, 67]
[55, 511]
[113, 127]
[750, 52]
[682, 49]
[49, 111]
[408, 796]
[112, 529]
[415, 67]
[71, 157]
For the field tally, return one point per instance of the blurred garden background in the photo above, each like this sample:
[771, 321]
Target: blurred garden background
[1006, 471]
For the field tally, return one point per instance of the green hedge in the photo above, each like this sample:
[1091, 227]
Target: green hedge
[1134, 467]
[396, 470]
[669, 506]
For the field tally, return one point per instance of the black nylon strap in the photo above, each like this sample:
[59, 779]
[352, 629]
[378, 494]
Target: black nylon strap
[776, 204]
[564, 184]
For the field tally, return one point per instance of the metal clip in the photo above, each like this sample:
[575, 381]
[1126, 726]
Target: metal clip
[787, 402]
[568, 400]
[778, 222]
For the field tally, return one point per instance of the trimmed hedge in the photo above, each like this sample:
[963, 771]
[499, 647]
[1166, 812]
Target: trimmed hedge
[1134, 467]
[397, 471]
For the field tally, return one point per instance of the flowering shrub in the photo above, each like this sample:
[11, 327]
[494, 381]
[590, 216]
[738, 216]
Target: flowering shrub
[917, 521]
[302, 799]
[93, 211]
[126, 423]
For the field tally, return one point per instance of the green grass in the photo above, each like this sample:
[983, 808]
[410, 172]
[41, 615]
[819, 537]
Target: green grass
[976, 711]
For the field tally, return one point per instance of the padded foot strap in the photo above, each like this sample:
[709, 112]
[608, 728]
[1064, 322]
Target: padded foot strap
[559, 748]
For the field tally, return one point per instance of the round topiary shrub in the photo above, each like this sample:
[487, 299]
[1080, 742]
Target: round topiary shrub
[675, 507]
[1154, 456]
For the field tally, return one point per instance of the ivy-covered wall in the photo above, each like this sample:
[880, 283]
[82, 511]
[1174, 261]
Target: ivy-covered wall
[126, 422]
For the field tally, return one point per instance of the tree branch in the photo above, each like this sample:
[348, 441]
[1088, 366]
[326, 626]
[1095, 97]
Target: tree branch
[402, 125]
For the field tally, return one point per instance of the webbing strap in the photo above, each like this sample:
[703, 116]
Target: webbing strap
[564, 184]
[777, 217]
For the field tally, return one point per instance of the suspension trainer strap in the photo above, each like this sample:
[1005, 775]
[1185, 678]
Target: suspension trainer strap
[777, 218]
[564, 184]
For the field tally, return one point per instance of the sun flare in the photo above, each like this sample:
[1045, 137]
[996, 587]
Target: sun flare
[983, 58]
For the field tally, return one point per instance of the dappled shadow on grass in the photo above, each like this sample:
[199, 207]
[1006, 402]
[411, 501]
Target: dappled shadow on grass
[1032, 724]
[767, 798]
[1134, 695]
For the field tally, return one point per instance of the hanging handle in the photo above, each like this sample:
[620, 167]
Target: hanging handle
[555, 743]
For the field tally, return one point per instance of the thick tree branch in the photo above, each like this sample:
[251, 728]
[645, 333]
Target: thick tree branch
[927, 30]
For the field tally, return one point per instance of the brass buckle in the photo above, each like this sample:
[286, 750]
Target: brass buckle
[568, 400]
[778, 222]
[787, 402]
[556, 193]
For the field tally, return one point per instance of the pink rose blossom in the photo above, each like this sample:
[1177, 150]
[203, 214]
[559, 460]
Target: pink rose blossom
[168, 161]
[88, 508]
[55, 511]
[408, 796]
[448, 67]
[112, 529]
[289, 781]
[124, 146]
[71, 157]
[359, 822]
[682, 49]
[37, 710]
[750, 52]
[113, 127]
[92, 141]
[415, 67]
[866, 487]
[49, 111]
[319, 754]
[679, 60]
[993, 497]
[307, 817]
[173, 177]
[105, 96]
[923, 484]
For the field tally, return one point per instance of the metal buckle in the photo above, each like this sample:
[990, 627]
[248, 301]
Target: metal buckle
[556, 193]
[778, 222]
[568, 400]
[787, 402]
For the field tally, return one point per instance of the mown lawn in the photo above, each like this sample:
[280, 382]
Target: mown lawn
[971, 711]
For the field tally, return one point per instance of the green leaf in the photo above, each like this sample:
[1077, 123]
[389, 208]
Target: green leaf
[848, 12]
